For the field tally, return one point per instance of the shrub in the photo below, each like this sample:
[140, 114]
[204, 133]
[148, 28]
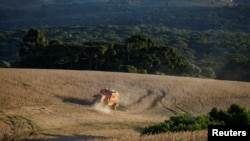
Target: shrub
[235, 115]
[156, 129]
[128, 68]
[4, 64]
[179, 123]
[208, 72]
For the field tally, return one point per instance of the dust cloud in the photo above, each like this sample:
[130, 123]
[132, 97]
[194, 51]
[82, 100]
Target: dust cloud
[102, 108]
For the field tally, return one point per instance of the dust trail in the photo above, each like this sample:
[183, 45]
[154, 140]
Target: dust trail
[102, 108]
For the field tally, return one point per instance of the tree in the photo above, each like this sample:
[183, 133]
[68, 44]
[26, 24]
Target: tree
[240, 115]
[128, 68]
[4, 64]
[136, 44]
[172, 62]
[62, 55]
[33, 42]
[208, 72]
[234, 115]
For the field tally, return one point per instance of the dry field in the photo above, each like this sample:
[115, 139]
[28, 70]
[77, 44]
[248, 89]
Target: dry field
[55, 105]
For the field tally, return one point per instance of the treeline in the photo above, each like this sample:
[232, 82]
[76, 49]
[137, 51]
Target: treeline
[137, 54]
[210, 54]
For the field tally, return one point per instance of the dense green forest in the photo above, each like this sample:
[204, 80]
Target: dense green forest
[140, 49]
[159, 38]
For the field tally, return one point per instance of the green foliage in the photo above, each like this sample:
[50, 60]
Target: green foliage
[179, 123]
[127, 68]
[137, 54]
[157, 128]
[210, 54]
[236, 67]
[234, 115]
[33, 42]
[4, 64]
[157, 12]
[140, 41]
[192, 70]
[207, 72]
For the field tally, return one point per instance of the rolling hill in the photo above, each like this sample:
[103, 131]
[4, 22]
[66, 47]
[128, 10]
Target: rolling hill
[35, 3]
[56, 104]
[184, 14]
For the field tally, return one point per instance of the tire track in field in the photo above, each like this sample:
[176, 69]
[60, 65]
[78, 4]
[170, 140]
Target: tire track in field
[157, 99]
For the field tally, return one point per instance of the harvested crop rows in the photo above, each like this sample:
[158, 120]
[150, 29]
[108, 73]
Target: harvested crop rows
[56, 104]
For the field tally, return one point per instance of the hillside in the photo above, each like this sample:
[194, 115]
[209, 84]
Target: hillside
[184, 14]
[35, 3]
[55, 104]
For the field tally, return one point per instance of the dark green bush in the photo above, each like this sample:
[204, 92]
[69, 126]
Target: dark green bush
[156, 129]
[235, 115]
[4, 64]
[128, 68]
[179, 123]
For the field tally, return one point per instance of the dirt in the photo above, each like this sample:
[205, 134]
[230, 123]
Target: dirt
[55, 105]
[76, 121]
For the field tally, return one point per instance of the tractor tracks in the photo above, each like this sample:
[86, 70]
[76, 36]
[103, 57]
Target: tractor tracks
[154, 99]
[17, 126]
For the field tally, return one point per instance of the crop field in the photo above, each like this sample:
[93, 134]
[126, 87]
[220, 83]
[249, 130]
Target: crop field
[56, 105]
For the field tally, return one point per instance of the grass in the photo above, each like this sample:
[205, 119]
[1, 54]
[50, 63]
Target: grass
[58, 101]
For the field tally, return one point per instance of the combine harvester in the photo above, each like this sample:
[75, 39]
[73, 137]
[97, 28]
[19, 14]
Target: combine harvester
[107, 97]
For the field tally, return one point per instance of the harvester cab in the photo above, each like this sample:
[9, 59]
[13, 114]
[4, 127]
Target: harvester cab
[107, 96]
